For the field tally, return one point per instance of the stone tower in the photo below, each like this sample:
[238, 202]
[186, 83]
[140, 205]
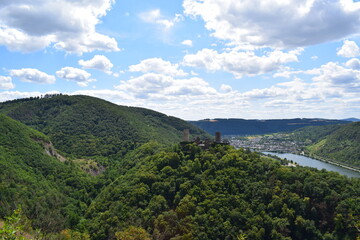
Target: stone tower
[186, 135]
[218, 137]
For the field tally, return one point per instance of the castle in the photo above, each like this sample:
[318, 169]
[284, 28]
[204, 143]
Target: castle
[204, 144]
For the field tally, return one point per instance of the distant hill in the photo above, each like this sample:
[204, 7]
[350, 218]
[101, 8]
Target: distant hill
[252, 127]
[52, 194]
[88, 126]
[351, 119]
[342, 144]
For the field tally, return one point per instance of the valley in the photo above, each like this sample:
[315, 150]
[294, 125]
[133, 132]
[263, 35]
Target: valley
[77, 167]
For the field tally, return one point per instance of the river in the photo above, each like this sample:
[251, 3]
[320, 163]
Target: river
[310, 162]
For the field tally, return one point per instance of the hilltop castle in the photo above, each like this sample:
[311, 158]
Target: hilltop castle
[204, 144]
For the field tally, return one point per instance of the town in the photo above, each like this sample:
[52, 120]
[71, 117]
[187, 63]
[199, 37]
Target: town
[272, 143]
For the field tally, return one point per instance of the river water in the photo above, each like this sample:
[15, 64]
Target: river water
[310, 162]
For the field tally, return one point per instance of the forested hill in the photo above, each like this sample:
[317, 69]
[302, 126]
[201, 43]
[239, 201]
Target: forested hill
[177, 192]
[254, 127]
[339, 142]
[53, 194]
[88, 126]
[222, 193]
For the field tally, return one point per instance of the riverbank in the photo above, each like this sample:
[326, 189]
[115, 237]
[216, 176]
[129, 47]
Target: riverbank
[314, 156]
[302, 160]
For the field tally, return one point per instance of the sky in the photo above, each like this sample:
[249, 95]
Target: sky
[193, 59]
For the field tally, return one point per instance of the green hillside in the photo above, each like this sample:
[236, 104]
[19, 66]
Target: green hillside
[313, 134]
[53, 194]
[222, 193]
[177, 192]
[88, 126]
[341, 145]
[153, 189]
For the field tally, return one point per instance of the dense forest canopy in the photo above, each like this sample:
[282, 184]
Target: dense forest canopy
[223, 193]
[340, 143]
[155, 188]
[53, 194]
[88, 126]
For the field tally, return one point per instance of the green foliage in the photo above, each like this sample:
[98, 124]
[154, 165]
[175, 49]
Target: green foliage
[223, 193]
[152, 190]
[133, 233]
[84, 126]
[13, 228]
[340, 143]
[68, 234]
[54, 195]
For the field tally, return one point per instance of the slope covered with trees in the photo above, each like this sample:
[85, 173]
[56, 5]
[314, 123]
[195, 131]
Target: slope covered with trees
[153, 189]
[53, 194]
[342, 144]
[222, 193]
[88, 126]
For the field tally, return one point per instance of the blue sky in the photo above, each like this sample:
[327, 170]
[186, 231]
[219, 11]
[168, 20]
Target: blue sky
[192, 59]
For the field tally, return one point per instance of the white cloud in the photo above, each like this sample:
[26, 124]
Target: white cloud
[32, 75]
[240, 63]
[225, 88]
[68, 25]
[188, 43]
[155, 17]
[11, 95]
[6, 83]
[98, 62]
[81, 77]
[157, 65]
[335, 75]
[353, 63]
[16, 40]
[349, 49]
[274, 23]
[159, 86]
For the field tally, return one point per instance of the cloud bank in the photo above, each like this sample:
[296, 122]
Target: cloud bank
[277, 24]
[28, 26]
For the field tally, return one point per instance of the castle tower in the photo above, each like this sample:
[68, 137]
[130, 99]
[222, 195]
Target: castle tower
[186, 137]
[218, 137]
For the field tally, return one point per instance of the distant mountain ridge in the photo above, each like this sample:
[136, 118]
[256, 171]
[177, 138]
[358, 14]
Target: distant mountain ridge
[351, 119]
[88, 126]
[252, 127]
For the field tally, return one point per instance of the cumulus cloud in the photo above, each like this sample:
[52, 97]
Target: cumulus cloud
[349, 49]
[98, 62]
[11, 95]
[6, 83]
[240, 63]
[353, 63]
[81, 77]
[273, 23]
[32, 75]
[225, 88]
[188, 43]
[335, 75]
[159, 86]
[155, 17]
[68, 25]
[157, 65]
